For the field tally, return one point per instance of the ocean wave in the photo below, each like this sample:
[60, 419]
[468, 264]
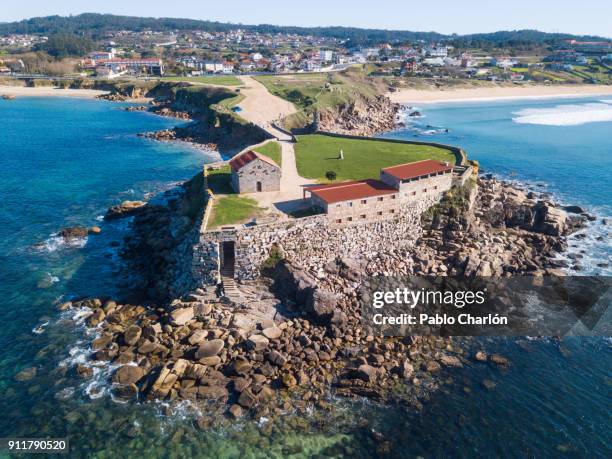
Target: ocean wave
[565, 115]
[56, 242]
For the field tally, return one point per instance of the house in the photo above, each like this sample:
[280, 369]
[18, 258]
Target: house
[253, 172]
[372, 200]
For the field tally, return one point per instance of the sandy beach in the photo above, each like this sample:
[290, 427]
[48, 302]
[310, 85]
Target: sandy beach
[425, 96]
[22, 91]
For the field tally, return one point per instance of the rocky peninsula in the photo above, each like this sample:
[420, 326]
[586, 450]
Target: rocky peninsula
[238, 359]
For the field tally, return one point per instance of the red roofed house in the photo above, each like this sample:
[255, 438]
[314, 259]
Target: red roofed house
[253, 172]
[369, 200]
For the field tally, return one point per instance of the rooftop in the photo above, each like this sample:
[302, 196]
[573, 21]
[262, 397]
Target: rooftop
[245, 158]
[348, 191]
[417, 169]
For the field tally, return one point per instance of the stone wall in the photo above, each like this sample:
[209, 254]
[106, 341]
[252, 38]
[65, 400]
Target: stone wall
[309, 242]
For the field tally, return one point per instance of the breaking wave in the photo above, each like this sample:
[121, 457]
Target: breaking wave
[566, 115]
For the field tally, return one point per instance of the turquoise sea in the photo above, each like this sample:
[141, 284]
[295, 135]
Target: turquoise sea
[65, 161]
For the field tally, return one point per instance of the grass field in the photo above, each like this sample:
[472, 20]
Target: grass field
[222, 80]
[231, 210]
[219, 180]
[318, 91]
[317, 154]
[272, 150]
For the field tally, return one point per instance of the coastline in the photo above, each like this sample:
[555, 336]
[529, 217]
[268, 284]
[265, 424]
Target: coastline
[489, 94]
[50, 91]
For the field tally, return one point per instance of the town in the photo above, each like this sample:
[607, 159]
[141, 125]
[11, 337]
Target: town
[196, 53]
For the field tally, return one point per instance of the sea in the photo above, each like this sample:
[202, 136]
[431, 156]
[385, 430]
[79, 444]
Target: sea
[65, 161]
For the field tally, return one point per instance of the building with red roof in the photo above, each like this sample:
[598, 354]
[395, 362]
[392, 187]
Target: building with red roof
[253, 172]
[371, 199]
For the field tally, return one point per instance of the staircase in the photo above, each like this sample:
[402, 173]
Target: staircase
[229, 285]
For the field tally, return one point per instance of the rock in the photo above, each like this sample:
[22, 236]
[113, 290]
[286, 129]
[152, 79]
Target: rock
[257, 342]
[182, 315]
[450, 361]
[73, 232]
[210, 348]
[247, 399]
[96, 317]
[26, 374]
[432, 366]
[481, 356]
[574, 209]
[367, 373]
[65, 306]
[147, 347]
[197, 337]
[276, 358]
[289, 380]
[128, 374]
[407, 370]
[212, 392]
[321, 305]
[240, 367]
[84, 371]
[132, 335]
[236, 411]
[94, 230]
[549, 219]
[125, 209]
[272, 332]
[488, 384]
[212, 361]
[499, 360]
[102, 342]
[125, 392]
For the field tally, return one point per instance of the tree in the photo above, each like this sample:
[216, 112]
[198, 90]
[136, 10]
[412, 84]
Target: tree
[66, 44]
[330, 175]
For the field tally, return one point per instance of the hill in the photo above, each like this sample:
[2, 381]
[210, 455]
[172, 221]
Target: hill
[95, 25]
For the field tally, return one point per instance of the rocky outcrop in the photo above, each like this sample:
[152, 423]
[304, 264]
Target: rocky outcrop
[362, 117]
[125, 209]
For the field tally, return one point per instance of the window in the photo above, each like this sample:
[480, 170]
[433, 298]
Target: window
[350, 204]
[363, 216]
[392, 211]
[435, 187]
[339, 220]
[337, 205]
[364, 201]
[350, 219]
[392, 196]
[424, 190]
[380, 198]
[379, 213]
[413, 193]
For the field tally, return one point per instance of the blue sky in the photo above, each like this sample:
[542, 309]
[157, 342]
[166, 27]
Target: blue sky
[446, 16]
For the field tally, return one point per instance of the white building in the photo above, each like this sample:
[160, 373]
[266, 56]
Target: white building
[326, 55]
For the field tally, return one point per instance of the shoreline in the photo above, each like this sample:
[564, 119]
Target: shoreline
[50, 91]
[495, 93]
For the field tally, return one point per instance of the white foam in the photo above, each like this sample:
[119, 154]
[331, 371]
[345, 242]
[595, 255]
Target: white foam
[565, 115]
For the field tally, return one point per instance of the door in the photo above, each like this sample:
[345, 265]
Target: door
[258, 186]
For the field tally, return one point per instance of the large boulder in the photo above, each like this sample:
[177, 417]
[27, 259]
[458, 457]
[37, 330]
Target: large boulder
[549, 219]
[128, 374]
[210, 348]
[125, 209]
[181, 316]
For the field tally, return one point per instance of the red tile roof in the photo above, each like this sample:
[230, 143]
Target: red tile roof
[348, 191]
[418, 168]
[245, 158]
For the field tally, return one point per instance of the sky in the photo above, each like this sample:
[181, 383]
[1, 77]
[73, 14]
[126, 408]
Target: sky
[593, 17]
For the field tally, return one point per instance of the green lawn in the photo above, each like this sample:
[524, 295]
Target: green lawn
[219, 180]
[317, 154]
[223, 80]
[272, 150]
[231, 210]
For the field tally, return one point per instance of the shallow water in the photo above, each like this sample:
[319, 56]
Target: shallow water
[66, 161]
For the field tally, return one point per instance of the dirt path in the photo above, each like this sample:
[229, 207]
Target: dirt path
[261, 107]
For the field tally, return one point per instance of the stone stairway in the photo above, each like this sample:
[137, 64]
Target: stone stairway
[229, 285]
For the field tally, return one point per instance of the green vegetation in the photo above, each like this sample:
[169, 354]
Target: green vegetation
[317, 154]
[231, 210]
[219, 180]
[66, 44]
[274, 258]
[455, 201]
[319, 91]
[221, 80]
[272, 150]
